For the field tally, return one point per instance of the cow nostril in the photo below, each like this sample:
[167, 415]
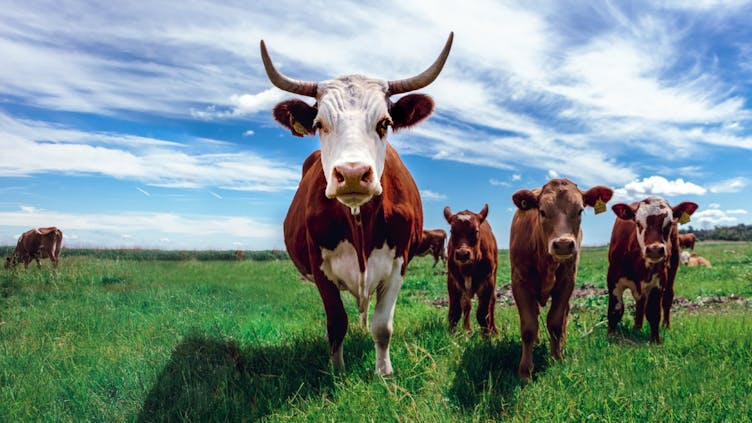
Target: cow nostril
[339, 175]
[367, 176]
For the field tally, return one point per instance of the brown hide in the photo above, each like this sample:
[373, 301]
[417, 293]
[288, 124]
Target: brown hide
[687, 241]
[472, 261]
[432, 242]
[35, 244]
[627, 262]
[539, 268]
[314, 222]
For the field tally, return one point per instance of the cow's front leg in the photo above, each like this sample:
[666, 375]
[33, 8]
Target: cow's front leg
[467, 303]
[639, 313]
[528, 310]
[455, 298]
[653, 314]
[487, 307]
[556, 321]
[336, 319]
[382, 324]
[666, 301]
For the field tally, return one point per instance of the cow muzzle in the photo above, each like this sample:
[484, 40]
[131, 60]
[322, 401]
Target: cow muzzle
[463, 256]
[353, 184]
[563, 248]
[655, 253]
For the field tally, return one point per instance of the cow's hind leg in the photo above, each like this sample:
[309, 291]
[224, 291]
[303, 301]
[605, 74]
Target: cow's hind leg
[382, 324]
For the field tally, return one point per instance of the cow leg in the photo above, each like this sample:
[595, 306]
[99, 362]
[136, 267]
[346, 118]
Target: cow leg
[653, 314]
[466, 301]
[382, 324]
[666, 302]
[640, 311]
[486, 308]
[615, 312]
[336, 319]
[455, 299]
[528, 311]
[556, 321]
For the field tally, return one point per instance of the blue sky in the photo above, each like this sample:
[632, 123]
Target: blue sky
[148, 124]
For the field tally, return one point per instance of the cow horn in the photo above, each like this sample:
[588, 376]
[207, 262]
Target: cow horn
[283, 82]
[419, 81]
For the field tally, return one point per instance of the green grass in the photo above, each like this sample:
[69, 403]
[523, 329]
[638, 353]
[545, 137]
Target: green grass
[113, 339]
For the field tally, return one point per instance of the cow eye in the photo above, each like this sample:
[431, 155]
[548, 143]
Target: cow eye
[382, 126]
[542, 213]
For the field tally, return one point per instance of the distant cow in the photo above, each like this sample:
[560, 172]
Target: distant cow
[35, 244]
[471, 269]
[544, 251]
[687, 241]
[356, 217]
[693, 260]
[239, 255]
[432, 242]
[644, 257]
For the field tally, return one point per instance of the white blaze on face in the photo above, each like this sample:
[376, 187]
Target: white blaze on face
[652, 206]
[349, 110]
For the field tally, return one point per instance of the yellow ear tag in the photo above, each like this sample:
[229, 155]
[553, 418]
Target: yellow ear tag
[299, 128]
[599, 206]
[684, 218]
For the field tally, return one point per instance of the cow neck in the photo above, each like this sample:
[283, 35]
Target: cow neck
[355, 222]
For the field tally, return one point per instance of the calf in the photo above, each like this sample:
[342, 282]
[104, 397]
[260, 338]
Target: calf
[471, 269]
[432, 242]
[693, 260]
[544, 252]
[687, 241]
[643, 256]
[35, 244]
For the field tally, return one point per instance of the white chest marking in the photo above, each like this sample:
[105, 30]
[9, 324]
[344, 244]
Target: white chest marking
[654, 282]
[341, 267]
[622, 285]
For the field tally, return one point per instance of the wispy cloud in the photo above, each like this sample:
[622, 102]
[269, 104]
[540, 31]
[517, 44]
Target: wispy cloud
[143, 191]
[730, 185]
[428, 195]
[713, 217]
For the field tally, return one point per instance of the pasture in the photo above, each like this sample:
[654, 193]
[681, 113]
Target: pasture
[111, 338]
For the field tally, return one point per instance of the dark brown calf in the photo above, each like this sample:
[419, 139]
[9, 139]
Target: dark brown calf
[472, 269]
[643, 256]
[687, 241]
[544, 253]
[432, 242]
[35, 244]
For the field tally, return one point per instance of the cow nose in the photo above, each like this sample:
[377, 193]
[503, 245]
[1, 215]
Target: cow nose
[353, 176]
[462, 255]
[655, 251]
[564, 246]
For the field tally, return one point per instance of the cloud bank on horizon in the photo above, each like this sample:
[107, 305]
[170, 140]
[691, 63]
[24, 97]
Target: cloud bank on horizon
[151, 124]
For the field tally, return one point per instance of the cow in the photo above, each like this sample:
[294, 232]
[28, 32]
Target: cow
[35, 244]
[643, 256]
[432, 242]
[687, 241]
[473, 257]
[544, 252]
[693, 260]
[356, 218]
[239, 255]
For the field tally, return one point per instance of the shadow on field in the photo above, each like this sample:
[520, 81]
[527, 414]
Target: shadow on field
[487, 374]
[212, 379]
[628, 335]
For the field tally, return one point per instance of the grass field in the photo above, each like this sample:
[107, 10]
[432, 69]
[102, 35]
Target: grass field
[112, 339]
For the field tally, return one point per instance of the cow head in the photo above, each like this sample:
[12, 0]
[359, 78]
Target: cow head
[654, 219]
[352, 114]
[465, 234]
[560, 205]
[11, 261]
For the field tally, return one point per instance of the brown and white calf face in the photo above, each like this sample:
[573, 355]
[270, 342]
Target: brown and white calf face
[352, 115]
[465, 234]
[654, 219]
[560, 205]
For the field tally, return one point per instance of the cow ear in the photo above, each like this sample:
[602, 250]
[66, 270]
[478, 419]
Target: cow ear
[683, 210]
[483, 213]
[448, 214]
[297, 116]
[525, 199]
[623, 211]
[410, 110]
[591, 196]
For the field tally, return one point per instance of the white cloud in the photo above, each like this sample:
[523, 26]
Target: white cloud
[729, 185]
[215, 195]
[710, 218]
[516, 177]
[657, 186]
[552, 174]
[248, 133]
[498, 183]
[428, 195]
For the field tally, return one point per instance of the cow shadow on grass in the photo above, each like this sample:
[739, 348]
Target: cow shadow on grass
[487, 374]
[628, 335]
[214, 379]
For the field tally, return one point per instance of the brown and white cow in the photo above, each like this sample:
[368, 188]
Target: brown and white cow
[544, 254]
[356, 218]
[473, 257]
[35, 244]
[687, 241]
[693, 260]
[643, 256]
[432, 242]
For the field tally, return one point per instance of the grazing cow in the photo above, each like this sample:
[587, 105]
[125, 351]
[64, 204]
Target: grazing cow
[471, 269]
[643, 256]
[239, 255]
[693, 260]
[544, 252]
[35, 244]
[433, 241]
[356, 218]
[687, 241]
